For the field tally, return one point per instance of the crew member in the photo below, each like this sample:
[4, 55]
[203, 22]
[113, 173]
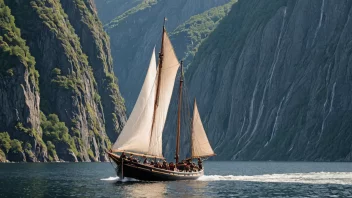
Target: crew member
[130, 157]
[172, 166]
[165, 165]
[123, 156]
[200, 164]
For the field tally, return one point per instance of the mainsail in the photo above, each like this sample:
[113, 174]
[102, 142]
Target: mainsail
[200, 142]
[135, 136]
[169, 66]
[142, 133]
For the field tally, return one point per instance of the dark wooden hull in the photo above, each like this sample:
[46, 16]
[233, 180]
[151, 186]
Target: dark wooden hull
[148, 173]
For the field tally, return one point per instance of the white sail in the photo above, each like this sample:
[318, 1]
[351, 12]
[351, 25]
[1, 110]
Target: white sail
[135, 136]
[200, 142]
[168, 74]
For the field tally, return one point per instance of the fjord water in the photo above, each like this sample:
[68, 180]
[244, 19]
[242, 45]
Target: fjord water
[222, 179]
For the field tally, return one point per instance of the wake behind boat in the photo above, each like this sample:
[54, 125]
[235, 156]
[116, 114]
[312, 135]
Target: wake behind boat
[142, 134]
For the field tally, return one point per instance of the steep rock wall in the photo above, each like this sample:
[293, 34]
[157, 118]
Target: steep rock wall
[70, 85]
[95, 43]
[109, 9]
[19, 91]
[273, 81]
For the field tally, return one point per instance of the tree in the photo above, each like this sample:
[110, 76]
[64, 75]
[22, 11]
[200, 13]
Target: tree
[5, 142]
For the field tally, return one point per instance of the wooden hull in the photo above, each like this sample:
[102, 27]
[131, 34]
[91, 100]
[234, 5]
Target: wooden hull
[148, 173]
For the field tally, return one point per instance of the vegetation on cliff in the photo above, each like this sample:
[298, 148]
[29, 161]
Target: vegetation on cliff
[141, 6]
[83, 18]
[13, 47]
[76, 99]
[188, 36]
[18, 82]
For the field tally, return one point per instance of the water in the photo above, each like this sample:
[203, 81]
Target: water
[222, 179]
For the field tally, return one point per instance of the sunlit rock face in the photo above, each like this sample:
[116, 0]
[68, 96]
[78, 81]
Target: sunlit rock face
[56, 64]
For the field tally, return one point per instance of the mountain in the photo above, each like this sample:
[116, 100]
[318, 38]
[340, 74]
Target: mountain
[273, 81]
[134, 33]
[60, 98]
[109, 9]
[188, 36]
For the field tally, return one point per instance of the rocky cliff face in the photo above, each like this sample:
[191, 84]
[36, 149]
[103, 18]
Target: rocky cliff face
[19, 92]
[187, 37]
[96, 45]
[135, 33]
[109, 9]
[273, 81]
[76, 79]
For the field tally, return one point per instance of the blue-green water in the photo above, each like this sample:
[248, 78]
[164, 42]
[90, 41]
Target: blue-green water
[222, 179]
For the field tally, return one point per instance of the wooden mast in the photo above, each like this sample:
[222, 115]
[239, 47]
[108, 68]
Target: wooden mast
[191, 147]
[179, 116]
[159, 77]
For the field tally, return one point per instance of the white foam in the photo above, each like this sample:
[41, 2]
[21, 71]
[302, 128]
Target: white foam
[344, 178]
[110, 179]
[118, 179]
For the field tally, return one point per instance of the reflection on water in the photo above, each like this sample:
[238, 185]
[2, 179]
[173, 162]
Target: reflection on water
[226, 179]
[135, 188]
[143, 189]
[187, 188]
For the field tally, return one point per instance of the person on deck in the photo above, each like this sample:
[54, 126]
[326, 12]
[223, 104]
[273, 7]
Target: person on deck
[189, 162]
[200, 164]
[165, 165]
[172, 166]
[123, 156]
[156, 164]
[145, 161]
[152, 162]
[130, 157]
[195, 167]
[191, 166]
[159, 165]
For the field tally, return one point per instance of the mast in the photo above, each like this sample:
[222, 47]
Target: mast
[179, 115]
[159, 76]
[192, 130]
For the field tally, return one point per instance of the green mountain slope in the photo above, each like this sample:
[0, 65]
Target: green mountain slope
[188, 36]
[109, 9]
[82, 110]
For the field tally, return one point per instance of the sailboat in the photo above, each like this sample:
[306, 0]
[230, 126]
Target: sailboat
[142, 134]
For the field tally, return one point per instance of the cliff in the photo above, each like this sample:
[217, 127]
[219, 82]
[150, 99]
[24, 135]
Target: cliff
[188, 36]
[19, 94]
[109, 9]
[135, 32]
[273, 81]
[82, 109]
